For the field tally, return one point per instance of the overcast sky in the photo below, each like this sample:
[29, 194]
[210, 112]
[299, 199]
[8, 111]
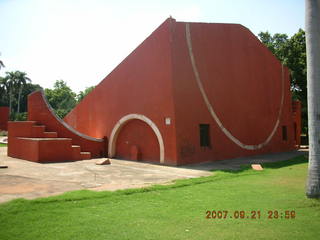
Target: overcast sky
[81, 41]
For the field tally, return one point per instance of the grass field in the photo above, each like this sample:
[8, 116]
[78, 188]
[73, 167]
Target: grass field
[3, 145]
[176, 211]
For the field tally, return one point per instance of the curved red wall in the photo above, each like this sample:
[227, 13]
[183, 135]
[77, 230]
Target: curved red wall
[243, 83]
[137, 133]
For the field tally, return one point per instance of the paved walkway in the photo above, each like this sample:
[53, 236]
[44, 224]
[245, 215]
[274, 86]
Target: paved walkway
[24, 179]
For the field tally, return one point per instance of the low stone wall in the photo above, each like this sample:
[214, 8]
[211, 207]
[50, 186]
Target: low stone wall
[4, 118]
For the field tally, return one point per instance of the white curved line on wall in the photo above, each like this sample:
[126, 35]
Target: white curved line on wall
[116, 129]
[58, 119]
[212, 112]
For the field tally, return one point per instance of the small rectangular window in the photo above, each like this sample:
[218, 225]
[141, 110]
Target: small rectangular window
[204, 135]
[284, 133]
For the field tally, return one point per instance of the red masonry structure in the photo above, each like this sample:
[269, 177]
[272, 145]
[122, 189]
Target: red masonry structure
[46, 138]
[190, 93]
[4, 118]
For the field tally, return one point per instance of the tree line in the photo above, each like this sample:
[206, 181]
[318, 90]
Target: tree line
[15, 87]
[62, 99]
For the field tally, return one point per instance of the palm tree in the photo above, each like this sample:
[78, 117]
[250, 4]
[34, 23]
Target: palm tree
[313, 85]
[15, 80]
[8, 84]
[21, 82]
[2, 92]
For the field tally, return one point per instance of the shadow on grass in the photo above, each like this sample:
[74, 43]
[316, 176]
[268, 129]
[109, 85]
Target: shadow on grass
[270, 165]
[286, 163]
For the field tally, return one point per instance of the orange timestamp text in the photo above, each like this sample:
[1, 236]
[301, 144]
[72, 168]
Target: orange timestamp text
[253, 214]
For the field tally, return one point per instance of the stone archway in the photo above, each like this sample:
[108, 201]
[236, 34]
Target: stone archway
[116, 129]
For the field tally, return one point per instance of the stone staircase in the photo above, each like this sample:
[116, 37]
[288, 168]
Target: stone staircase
[47, 138]
[32, 142]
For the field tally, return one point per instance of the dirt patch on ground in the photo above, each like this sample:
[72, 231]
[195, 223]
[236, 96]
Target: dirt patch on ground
[24, 179]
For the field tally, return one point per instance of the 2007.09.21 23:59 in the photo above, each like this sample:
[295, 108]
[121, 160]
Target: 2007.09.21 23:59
[254, 214]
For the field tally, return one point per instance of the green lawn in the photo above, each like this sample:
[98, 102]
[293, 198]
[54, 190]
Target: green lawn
[175, 212]
[3, 145]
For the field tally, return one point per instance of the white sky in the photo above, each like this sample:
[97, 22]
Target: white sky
[81, 41]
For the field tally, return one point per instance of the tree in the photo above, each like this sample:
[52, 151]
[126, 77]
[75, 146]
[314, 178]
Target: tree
[313, 84]
[84, 93]
[8, 85]
[277, 43]
[21, 82]
[27, 89]
[14, 90]
[61, 98]
[15, 81]
[1, 64]
[292, 53]
[3, 93]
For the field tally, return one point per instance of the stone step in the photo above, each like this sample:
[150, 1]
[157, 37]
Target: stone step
[43, 139]
[85, 155]
[78, 155]
[32, 142]
[43, 149]
[76, 152]
[38, 130]
[50, 134]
